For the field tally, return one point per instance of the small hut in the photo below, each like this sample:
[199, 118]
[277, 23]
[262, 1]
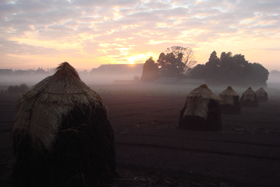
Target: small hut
[201, 111]
[62, 135]
[249, 98]
[262, 95]
[229, 101]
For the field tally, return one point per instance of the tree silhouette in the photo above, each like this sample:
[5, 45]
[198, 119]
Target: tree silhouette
[213, 60]
[199, 72]
[40, 71]
[186, 55]
[18, 89]
[230, 69]
[170, 66]
[150, 70]
[175, 61]
[13, 89]
[23, 88]
[258, 73]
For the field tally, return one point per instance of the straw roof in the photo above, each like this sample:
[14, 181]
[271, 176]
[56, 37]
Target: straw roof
[249, 91]
[261, 90]
[42, 108]
[249, 94]
[229, 92]
[204, 92]
[227, 96]
[64, 87]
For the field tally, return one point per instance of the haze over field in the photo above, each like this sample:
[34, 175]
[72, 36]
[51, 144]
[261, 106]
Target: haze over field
[104, 84]
[88, 33]
[86, 77]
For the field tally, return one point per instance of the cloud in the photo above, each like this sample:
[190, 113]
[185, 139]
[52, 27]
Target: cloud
[13, 47]
[96, 29]
[105, 3]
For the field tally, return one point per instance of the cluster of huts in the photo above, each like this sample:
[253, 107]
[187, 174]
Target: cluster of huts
[62, 135]
[202, 109]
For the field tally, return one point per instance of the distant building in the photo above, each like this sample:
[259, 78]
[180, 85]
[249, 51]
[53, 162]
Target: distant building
[6, 71]
[134, 69]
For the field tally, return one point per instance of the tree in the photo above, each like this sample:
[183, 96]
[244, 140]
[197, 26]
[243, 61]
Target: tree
[18, 89]
[40, 71]
[186, 55]
[150, 70]
[13, 89]
[258, 73]
[230, 69]
[23, 88]
[175, 61]
[225, 57]
[213, 61]
[212, 68]
[198, 72]
[170, 66]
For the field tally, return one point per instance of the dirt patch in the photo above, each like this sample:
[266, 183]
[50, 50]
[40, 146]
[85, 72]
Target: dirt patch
[152, 151]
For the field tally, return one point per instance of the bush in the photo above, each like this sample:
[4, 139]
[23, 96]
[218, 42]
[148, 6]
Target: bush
[18, 89]
[23, 88]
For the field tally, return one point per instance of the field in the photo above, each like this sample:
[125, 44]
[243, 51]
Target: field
[151, 151]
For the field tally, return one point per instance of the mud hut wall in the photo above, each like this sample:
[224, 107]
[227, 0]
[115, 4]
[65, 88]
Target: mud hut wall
[197, 106]
[226, 99]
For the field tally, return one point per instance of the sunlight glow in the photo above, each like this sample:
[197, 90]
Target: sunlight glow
[132, 59]
[140, 58]
[132, 31]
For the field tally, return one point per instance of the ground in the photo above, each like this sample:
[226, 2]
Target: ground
[152, 151]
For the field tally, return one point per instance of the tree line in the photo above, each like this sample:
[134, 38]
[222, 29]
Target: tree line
[174, 62]
[18, 88]
[226, 69]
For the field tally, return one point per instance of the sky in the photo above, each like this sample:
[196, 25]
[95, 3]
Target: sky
[88, 33]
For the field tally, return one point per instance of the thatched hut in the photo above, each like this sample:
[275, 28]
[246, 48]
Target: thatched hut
[249, 98]
[262, 95]
[62, 135]
[201, 111]
[229, 101]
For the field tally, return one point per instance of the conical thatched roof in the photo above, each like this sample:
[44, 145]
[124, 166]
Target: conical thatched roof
[42, 108]
[64, 87]
[229, 92]
[260, 91]
[227, 96]
[249, 91]
[249, 94]
[204, 92]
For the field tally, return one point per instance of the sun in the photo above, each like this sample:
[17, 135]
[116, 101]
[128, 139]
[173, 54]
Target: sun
[138, 58]
[132, 59]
